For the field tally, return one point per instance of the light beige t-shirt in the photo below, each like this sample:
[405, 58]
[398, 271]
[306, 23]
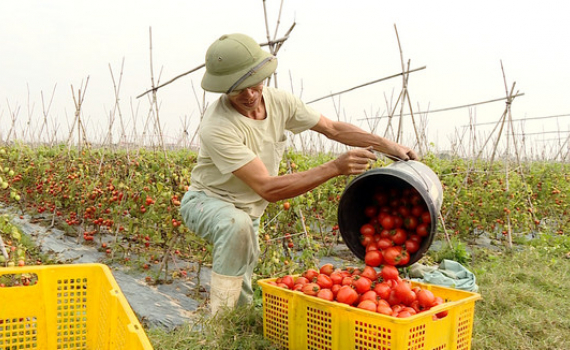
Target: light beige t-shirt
[229, 140]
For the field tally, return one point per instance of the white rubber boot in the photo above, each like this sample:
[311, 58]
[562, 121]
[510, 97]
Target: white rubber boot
[224, 291]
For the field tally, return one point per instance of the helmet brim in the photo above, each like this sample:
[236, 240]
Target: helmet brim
[222, 83]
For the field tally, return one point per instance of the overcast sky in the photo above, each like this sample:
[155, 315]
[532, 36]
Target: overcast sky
[335, 45]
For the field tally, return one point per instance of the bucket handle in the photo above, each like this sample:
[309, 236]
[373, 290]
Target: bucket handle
[396, 159]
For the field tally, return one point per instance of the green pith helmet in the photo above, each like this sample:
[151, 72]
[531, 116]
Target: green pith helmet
[235, 62]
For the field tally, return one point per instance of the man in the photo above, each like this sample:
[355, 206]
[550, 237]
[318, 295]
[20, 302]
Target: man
[242, 139]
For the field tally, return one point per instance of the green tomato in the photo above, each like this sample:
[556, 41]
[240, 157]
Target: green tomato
[16, 235]
[20, 253]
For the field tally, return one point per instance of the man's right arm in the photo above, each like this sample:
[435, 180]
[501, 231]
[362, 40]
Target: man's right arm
[275, 188]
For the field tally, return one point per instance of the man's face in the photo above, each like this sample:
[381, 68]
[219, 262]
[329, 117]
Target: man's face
[248, 99]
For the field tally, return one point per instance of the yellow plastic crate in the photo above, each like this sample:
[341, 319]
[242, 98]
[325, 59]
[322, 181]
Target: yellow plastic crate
[66, 307]
[295, 321]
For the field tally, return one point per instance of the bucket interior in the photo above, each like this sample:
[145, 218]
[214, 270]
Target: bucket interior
[360, 193]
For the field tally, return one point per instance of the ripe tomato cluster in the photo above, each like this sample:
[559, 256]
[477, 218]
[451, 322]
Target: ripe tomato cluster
[398, 221]
[383, 292]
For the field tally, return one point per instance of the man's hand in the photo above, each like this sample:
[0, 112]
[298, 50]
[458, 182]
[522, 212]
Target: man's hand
[354, 136]
[355, 161]
[402, 153]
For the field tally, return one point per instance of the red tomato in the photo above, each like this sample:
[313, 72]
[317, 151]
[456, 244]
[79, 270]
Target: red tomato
[404, 257]
[325, 294]
[361, 284]
[335, 288]
[391, 256]
[403, 211]
[371, 246]
[324, 281]
[408, 297]
[416, 306]
[384, 243]
[336, 278]
[439, 301]
[366, 240]
[367, 230]
[398, 221]
[395, 192]
[389, 272]
[369, 273]
[417, 210]
[299, 286]
[393, 299]
[404, 314]
[386, 234]
[301, 280]
[370, 211]
[355, 271]
[411, 222]
[346, 295]
[394, 202]
[383, 309]
[311, 274]
[387, 222]
[399, 236]
[411, 246]
[426, 217]
[383, 212]
[402, 289]
[381, 198]
[327, 269]
[415, 237]
[370, 295]
[288, 280]
[423, 229]
[373, 258]
[425, 298]
[368, 305]
[416, 199]
[347, 281]
[311, 289]
[383, 290]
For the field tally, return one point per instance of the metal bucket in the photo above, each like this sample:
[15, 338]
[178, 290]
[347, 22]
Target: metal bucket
[359, 194]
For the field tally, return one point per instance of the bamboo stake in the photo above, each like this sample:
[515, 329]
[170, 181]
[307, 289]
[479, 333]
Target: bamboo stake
[366, 84]
[390, 113]
[3, 250]
[172, 80]
[117, 106]
[45, 111]
[13, 115]
[271, 47]
[30, 113]
[467, 105]
[78, 102]
[399, 135]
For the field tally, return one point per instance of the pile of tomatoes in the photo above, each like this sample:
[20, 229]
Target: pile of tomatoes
[383, 291]
[398, 221]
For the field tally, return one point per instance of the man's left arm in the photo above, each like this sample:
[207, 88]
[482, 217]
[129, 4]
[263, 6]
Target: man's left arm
[351, 135]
